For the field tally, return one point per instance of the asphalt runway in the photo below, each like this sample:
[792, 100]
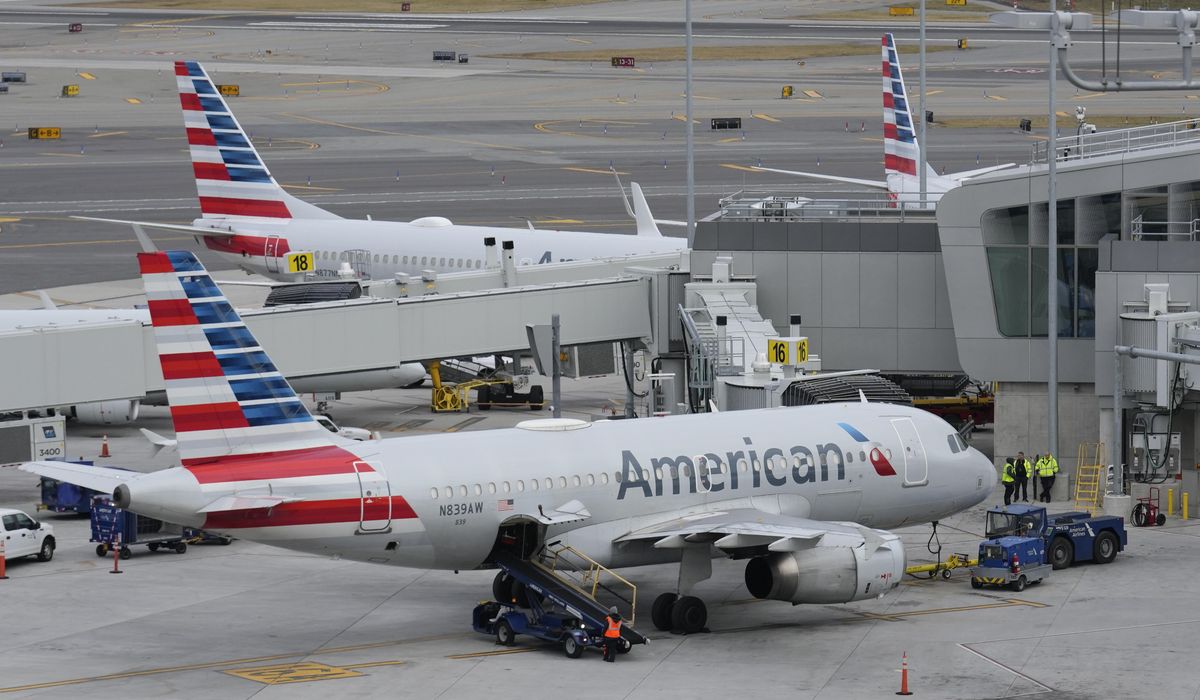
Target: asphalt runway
[363, 123]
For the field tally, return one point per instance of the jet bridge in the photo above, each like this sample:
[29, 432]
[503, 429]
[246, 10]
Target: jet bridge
[478, 313]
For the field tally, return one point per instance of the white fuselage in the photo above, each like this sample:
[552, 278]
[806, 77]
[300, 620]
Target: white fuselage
[456, 489]
[388, 247]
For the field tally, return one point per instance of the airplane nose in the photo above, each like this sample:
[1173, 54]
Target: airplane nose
[987, 470]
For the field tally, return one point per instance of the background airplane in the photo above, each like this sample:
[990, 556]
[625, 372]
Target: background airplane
[791, 490]
[901, 152]
[249, 219]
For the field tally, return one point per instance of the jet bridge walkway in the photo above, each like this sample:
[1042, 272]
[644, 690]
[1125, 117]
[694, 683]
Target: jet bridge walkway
[580, 596]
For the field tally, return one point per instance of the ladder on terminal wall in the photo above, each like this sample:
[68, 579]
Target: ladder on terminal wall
[1089, 470]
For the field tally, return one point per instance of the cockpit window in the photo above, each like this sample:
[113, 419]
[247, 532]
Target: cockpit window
[952, 438]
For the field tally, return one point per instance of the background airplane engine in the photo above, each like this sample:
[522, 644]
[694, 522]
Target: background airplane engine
[826, 574]
[113, 412]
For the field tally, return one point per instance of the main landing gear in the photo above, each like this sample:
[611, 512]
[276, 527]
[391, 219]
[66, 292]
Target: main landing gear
[681, 612]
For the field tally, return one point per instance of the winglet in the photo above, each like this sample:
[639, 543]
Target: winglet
[862, 398]
[646, 225]
[47, 303]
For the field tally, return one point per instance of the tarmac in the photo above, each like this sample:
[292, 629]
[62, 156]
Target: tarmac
[359, 120]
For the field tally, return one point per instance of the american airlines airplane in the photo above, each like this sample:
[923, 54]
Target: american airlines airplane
[901, 153]
[252, 221]
[805, 495]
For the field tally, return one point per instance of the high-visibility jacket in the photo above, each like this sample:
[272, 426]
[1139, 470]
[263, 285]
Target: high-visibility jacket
[1024, 469]
[1010, 473]
[612, 629]
[1047, 466]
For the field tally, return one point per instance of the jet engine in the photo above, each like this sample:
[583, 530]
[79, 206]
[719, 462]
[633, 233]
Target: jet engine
[828, 574]
[107, 412]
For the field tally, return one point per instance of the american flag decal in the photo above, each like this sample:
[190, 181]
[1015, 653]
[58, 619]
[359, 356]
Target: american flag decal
[504, 504]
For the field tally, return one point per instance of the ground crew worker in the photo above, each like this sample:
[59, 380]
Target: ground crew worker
[612, 634]
[1023, 470]
[1009, 478]
[1047, 469]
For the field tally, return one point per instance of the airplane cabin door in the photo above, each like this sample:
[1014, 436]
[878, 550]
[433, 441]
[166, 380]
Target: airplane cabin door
[916, 462]
[375, 510]
[271, 252]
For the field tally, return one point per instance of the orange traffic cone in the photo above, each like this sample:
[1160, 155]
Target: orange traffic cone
[3, 572]
[104, 447]
[904, 675]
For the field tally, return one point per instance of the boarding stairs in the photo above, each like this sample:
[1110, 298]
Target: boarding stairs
[577, 583]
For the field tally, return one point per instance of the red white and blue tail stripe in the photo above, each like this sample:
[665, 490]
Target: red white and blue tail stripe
[226, 396]
[231, 179]
[900, 155]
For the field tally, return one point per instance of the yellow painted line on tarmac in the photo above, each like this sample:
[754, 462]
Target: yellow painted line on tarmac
[133, 100]
[813, 93]
[229, 662]
[578, 41]
[431, 137]
[300, 672]
[314, 188]
[683, 118]
[766, 118]
[595, 171]
[181, 20]
[373, 664]
[997, 98]
[9, 219]
[1090, 95]
[729, 139]
[64, 155]
[498, 652]
[1008, 603]
[933, 92]
[870, 138]
[62, 244]
[463, 424]
[102, 134]
[561, 222]
[733, 166]
[377, 87]
[86, 76]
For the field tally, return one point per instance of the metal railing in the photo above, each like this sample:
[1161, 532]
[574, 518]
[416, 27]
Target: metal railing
[1184, 230]
[747, 206]
[1139, 138]
[587, 576]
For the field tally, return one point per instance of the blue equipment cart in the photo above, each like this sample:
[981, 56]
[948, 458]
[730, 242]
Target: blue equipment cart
[111, 525]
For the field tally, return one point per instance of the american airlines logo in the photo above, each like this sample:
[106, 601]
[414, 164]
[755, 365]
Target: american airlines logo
[712, 473]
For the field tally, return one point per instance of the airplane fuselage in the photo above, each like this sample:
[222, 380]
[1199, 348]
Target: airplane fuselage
[439, 501]
[387, 247]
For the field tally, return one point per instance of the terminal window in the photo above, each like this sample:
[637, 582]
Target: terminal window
[1016, 255]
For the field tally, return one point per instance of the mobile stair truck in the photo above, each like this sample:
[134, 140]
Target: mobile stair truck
[557, 596]
[1024, 543]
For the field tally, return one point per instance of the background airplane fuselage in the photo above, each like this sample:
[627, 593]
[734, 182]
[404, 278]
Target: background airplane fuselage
[262, 245]
[449, 494]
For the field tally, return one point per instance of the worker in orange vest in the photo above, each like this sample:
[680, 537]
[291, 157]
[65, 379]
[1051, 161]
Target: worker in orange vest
[612, 634]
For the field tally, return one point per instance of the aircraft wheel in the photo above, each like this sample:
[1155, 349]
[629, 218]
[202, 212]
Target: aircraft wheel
[688, 615]
[502, 588]
[660, 612]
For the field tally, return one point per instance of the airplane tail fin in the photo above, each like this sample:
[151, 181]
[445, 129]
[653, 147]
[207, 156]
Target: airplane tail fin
[226, 396]
[900, 150]
[231, 179]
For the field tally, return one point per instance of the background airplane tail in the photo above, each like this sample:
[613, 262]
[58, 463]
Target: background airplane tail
[900, 149]
[226, 396]
[231, 178]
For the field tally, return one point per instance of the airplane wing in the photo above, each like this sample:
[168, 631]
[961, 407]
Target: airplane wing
[570, 512]
[103, 479]
[749, 528]
[198, 230]
[963, 175]
[877, 184]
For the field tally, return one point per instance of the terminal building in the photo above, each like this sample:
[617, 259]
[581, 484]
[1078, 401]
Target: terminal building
[965, 289]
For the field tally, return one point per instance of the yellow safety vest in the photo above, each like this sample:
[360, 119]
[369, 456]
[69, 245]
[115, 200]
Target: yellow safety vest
[1047, 466]
[1009, 474]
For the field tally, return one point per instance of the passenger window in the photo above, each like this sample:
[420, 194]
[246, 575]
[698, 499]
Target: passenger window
[591, 480]
[507, 487]
[533, 484]
[562, 482]
[575, 480]
[377, 257]
[616, 476]
[462, 491]
[849, 457]
[862, 456]
[424, 260]
[478, 490]
[549, 483]
[442, 262]
[433, 493]
[603, 477]
[520, 486]
[449, 490]
[658, 474]
[491, 487]
[405, 260]
[742, 466]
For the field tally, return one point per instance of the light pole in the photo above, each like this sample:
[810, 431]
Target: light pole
[691, 155]
[921, 146]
